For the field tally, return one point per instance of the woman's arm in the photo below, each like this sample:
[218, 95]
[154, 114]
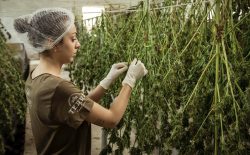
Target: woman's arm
[116, 70]
[97, 93]
[109, 118]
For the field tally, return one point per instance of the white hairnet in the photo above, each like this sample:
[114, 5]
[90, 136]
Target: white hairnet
[45, 27]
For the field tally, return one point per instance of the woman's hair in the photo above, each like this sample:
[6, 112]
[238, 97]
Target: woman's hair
[45, 27]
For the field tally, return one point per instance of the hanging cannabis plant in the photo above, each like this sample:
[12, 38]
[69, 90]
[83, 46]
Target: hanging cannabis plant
[12, 102]
[196, 96]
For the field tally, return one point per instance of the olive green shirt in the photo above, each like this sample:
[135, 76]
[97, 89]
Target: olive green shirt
[58, 110]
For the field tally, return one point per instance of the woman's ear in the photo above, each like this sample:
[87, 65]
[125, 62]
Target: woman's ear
[60, 43]
[55, 49]
[49, 42]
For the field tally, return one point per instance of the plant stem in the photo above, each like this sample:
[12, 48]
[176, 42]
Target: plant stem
[217, 35]
[216, 99]
[199, 81]
[222, 134]
[197, 30]
[230, 83]
[203, 123]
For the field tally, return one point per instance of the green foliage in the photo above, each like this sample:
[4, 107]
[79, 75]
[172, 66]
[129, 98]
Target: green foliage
[195, 97]
[12, 97]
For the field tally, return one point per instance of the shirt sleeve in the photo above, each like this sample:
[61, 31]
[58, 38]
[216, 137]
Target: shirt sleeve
[70, 105]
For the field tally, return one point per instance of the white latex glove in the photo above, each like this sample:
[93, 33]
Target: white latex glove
[116, 70]
[136, 71]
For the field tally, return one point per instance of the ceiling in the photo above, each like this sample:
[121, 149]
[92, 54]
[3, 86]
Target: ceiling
[15, 8]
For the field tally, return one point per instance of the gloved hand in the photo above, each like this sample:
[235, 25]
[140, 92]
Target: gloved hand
[116, 70]
[136, 71]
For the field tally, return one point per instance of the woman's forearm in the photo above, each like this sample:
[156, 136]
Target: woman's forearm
[109, 118]
[97, 93]
[120, 103]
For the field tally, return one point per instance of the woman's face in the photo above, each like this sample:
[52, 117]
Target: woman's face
[67, 50]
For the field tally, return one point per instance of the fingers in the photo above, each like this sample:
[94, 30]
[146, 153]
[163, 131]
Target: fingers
[123, 69]
[139, 63]
[134, 61]
[120, 65]
[135, 72]
[123, 66]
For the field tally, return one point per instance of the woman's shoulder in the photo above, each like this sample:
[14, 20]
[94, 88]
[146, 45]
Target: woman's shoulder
[57, 82]
[45, 81]
[67, 86]
[48, 78]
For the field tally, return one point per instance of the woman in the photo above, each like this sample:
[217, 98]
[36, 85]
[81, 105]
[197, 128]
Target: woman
[60, 113]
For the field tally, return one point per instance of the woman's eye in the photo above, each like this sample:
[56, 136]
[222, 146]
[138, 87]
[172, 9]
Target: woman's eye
[74, 39]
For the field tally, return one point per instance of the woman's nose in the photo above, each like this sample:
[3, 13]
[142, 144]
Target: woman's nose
[78, 45]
